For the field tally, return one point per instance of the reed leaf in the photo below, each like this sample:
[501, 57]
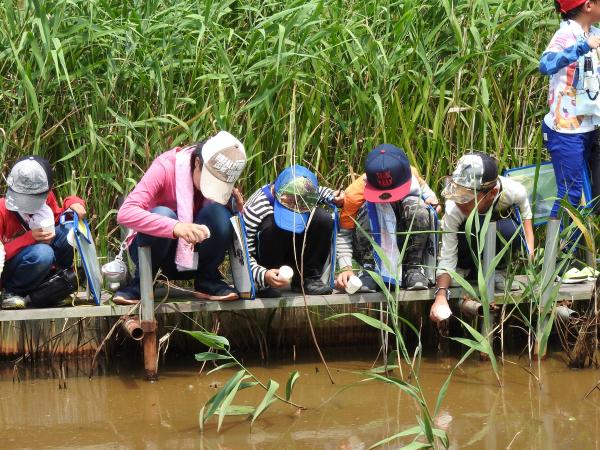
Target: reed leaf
[371, 321]
[289, 386]
[267, 400]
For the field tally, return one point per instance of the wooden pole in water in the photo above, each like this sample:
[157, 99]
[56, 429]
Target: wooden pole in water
[548, 269]
[147, 314]
[489, 252]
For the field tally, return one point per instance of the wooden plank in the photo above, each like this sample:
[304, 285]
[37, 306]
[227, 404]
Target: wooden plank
[179, 302]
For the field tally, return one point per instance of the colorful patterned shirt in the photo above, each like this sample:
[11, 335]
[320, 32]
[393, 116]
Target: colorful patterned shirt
[563, 60]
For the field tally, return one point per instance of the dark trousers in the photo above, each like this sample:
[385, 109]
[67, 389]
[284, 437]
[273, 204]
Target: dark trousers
[277, 247]
[24, 272]
[505, 229]
[211, 251]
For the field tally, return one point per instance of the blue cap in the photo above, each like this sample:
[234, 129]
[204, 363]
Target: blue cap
[285, 217]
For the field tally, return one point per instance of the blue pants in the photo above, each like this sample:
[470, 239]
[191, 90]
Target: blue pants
[211, 251]
[31, 266]
[570, 155]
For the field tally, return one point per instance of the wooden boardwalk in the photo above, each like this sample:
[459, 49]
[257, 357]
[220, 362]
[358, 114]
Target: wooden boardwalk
[179, 302]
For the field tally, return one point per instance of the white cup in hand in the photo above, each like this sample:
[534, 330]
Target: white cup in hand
[443, 312]
[206, 231]
[285, 273]
[354, 284]
[47, 225]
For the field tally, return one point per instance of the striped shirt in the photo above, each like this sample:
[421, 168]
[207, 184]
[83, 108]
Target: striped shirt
[256, 209]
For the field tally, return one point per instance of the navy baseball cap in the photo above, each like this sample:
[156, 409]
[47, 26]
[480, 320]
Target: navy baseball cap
[296, 194]
[388, 174]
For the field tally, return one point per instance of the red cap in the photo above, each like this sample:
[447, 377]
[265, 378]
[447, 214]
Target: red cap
[568, 5]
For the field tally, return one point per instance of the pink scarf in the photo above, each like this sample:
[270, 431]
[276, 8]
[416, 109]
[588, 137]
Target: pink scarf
[185, 258]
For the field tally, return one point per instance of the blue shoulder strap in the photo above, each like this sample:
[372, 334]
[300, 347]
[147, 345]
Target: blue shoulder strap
[267, 191]
[376, 233]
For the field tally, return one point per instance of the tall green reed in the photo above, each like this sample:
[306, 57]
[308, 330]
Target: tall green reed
[102, 87]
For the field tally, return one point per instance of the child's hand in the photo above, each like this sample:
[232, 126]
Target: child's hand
[339, 198]
[41, 236]
[192, 233]
[593, 41]
[435, 203]
[341, 282]
[239, 199]
[273, 280]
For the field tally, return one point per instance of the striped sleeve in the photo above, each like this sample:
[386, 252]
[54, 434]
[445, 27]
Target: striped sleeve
[326, 195]
[344, 247]
[256, 209]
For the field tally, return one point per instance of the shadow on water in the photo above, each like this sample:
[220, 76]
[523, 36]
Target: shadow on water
[120, 410]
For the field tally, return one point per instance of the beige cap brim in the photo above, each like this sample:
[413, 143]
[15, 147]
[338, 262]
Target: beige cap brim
[213, 188]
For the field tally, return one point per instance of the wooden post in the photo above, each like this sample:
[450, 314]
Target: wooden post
[548, 269]
[489, 252]
[147, 314]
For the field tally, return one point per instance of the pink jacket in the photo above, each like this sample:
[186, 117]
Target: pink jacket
[156, 188]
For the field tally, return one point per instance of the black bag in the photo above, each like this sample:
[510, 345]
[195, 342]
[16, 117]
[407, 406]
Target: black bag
[55, 289]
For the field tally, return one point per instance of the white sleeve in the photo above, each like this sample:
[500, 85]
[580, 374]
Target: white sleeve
[450, 226]
[521, 199]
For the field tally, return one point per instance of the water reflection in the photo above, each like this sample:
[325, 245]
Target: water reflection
[123, 411]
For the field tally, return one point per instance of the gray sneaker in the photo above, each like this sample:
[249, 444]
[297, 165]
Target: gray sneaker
[13, 301]
[415, 280]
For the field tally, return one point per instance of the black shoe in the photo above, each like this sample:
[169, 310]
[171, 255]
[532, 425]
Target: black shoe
[313, 286]
[368, 283]
[216, 290]
[415, 279]
[269, 292]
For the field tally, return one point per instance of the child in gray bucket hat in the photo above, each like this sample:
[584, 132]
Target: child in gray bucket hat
[475, 184]
[34, 242]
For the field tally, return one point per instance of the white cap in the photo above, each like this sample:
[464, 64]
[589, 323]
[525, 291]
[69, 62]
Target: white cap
[223, 159]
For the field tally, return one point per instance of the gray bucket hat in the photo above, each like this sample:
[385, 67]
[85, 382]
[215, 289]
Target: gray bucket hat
[29, 183]
[475, 172]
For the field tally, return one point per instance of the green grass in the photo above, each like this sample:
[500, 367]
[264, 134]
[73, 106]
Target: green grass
[102, 87]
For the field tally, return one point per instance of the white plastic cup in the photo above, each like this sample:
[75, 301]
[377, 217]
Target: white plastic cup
[443, 312]
[47, 225]
[286, 273]
[354, 284]
[206, 231]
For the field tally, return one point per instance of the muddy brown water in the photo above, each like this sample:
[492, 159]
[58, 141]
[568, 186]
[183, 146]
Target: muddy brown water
[123, 411]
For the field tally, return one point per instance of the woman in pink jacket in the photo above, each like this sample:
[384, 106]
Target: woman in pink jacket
[179, 209]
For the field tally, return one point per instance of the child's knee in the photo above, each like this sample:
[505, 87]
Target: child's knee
[40, 256]
[218, 220]
[164, 211]
[322, 220]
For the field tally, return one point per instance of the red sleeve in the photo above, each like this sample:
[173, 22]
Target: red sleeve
[16, 245]
[71, 200]
[13, 247]
[52, 202]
